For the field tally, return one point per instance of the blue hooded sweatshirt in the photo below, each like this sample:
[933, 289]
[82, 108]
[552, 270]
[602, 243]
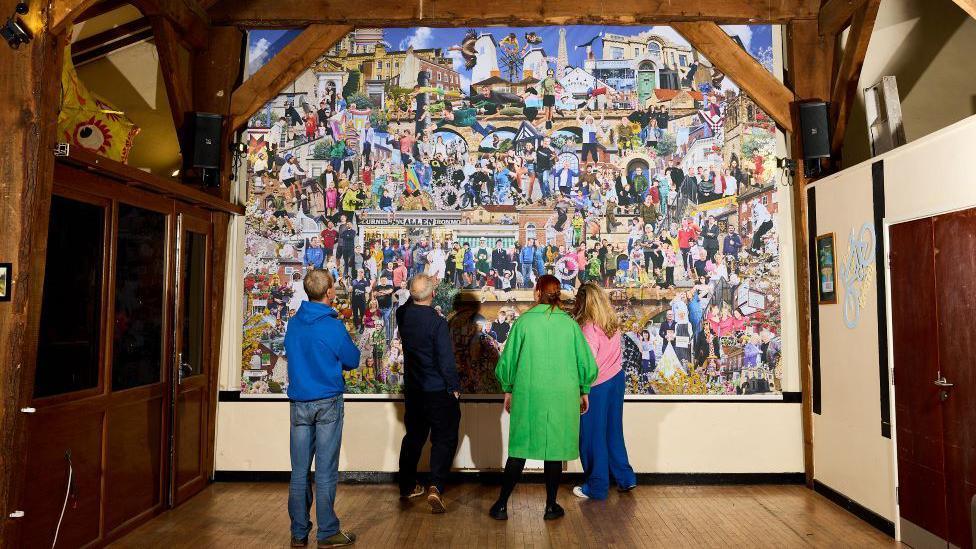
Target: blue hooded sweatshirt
[318, 348]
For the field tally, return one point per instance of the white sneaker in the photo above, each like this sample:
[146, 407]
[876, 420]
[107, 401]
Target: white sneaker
[578, 492]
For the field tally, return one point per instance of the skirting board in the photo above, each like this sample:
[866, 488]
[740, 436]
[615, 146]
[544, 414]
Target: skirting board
[855, 508]
[495, 477]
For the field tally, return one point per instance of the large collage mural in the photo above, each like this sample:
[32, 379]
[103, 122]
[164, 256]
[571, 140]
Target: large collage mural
[487, 157]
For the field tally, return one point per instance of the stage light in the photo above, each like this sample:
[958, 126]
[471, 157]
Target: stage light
[15, 31]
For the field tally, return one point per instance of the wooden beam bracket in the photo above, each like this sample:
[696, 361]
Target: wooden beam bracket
[758, 83]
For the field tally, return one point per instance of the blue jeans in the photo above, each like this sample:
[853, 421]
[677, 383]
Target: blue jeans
[387, 323]
[316, 430]
[544, 182]
[526, 275]
[602, 449]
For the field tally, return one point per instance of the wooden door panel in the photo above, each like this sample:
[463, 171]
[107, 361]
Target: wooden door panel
[955, 265]
[192, 336]
[133, 461]
[50, 435]
[918, 410]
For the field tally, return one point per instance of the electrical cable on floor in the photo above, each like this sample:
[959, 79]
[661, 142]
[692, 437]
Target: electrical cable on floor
[67, 492]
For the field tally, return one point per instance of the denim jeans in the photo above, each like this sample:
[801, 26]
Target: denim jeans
[316, 430]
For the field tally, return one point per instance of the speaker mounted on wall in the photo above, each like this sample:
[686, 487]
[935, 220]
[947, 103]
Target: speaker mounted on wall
[814, 135]
[200, 144]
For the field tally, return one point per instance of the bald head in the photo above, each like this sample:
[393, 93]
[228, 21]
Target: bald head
[422, 289]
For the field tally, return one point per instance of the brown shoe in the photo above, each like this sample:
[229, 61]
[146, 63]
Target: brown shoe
[418, 491]
[339, 539]
[435, 501]
[296, 542]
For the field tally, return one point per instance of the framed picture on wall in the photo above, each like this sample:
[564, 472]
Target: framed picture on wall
[5, 273]
[826, 269]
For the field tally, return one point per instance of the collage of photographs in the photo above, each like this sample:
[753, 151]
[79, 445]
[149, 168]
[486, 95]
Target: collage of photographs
[489, 157]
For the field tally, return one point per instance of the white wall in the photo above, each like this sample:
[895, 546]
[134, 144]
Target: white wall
[929, 176]
[661, 437]
[928, 46]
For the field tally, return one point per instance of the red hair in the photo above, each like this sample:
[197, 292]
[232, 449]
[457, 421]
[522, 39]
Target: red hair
[549, 290]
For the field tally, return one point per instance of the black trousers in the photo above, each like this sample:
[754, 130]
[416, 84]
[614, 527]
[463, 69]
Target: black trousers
[435, 414]
[757, 236]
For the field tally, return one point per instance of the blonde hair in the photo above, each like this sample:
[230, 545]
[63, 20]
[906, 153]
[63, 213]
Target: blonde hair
[593, 305]
[317, 283]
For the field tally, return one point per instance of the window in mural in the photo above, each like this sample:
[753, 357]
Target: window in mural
[487, 157]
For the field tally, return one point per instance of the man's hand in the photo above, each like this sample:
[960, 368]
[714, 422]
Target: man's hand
[508, 402]
[584, 403]
[457, 395]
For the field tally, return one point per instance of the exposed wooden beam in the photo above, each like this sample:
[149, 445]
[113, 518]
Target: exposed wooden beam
[462, 13]
[809, 72]
[969, 6]
[282, 69]
[845, 82]
[63, 13]
[217, 70]
[758, 83]
[836, 14]
[26, 178]
[189, 21]
[100, 8]
[174, 61]
[103, 43]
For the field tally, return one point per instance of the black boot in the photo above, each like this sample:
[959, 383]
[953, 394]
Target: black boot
[553, 512]
[498, 511]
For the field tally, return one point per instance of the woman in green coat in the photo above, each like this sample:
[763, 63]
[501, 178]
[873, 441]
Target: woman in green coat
[545, 371]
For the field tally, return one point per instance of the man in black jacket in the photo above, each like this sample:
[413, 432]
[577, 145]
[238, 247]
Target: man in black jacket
[431, 391]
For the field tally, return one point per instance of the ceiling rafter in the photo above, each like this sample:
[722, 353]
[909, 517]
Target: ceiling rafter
[282, 69]
[461, 13]
[721, 50]
[846, 81]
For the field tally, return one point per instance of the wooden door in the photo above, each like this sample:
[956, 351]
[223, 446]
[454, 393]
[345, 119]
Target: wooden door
[191, 365]
[918, 410]
[955, 275]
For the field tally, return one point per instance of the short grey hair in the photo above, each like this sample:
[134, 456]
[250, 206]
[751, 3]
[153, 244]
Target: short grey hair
[421, 287]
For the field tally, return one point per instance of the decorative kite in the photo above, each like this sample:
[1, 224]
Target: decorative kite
[88, 122]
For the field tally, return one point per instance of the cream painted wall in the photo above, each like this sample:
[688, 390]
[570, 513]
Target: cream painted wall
[850, 455]
[928, 45]
[661, 437]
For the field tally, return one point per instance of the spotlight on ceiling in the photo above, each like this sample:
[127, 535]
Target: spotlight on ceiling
[14, 31]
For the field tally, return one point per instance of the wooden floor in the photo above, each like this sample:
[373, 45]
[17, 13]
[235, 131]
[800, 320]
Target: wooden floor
[240, 515]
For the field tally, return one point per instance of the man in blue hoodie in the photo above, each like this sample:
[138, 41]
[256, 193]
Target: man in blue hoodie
[318, 349]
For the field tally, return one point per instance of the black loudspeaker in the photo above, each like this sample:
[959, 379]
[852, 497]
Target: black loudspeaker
[201, 140]
[815, 129]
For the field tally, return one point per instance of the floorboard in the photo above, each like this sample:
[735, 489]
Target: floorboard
[245, 515]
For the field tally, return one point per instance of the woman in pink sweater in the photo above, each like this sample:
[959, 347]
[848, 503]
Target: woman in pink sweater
[602, 448]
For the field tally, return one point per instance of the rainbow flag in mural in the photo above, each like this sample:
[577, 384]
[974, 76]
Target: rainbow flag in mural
[88, 122]
[411, 180]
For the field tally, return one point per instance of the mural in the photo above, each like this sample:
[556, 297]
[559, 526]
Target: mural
[487, 157]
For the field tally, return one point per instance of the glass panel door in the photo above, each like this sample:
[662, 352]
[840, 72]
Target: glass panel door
[191, 365]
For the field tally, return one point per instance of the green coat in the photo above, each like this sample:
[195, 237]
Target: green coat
[546, 365]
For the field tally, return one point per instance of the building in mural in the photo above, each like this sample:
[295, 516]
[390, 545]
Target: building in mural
[633, 165]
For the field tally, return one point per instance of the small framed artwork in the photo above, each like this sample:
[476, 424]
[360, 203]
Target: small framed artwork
[6, 271]
[826, 269]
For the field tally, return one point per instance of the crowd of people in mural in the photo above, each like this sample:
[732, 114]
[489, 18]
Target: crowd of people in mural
[669, 204]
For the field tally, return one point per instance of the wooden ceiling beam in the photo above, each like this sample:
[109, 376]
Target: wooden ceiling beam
[463, 13]
[174, 62]
[836, 14]
[282, 69]
[63, 12]
[758, 83]
[100, 8]
[99, 45]
[969, 6]
[190, 22]
[846, 81]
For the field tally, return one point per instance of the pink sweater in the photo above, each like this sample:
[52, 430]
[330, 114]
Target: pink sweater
[606, 351]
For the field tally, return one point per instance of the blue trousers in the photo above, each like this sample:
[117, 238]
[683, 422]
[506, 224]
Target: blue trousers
[602, 448]
[316, 430]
